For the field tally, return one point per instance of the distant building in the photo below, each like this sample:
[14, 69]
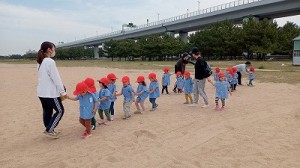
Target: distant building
[296, 53]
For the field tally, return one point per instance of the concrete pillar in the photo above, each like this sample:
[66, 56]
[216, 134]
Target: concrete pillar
[96, 52]
[183, 36]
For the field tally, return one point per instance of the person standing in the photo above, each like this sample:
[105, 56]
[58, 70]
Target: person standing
[180, 65]
[50, 89]
[200, 78]
[242, 68]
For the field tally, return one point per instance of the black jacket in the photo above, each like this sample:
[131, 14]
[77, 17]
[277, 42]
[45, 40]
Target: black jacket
[200, 68]
[180, 65]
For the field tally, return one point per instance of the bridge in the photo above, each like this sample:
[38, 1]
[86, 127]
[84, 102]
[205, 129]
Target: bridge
[193, 21]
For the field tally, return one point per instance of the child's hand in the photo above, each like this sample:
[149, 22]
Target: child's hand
[209, 80]
[94, 111]
[230, 93]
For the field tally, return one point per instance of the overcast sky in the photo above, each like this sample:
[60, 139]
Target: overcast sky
[25, 24]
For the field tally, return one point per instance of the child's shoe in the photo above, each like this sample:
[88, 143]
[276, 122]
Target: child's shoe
[107, 123]
[93, 127]
[85, 135]
[217, 108]
[101, 122]
[137, 112]
[222, 108]
[112, 118]
[186, 103]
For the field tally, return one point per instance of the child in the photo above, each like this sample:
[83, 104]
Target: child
[91, 85]
[165, 80]
[188, 87]
[104, 95]
[128, 94]
[179, 82]
[229, 76]
[216, 75]
[113, 90]
[251, 76]
[142, 93]
[235, 78]
[153, 90]
[222, 89]
[88, 106]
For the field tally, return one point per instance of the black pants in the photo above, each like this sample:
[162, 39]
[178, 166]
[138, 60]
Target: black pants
[50, 120]
[239, 78]
[164, 88]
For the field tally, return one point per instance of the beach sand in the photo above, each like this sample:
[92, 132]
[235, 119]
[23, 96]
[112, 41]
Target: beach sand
[259, 128]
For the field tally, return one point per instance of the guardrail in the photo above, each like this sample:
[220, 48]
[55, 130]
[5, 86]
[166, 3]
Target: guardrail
[169, 20]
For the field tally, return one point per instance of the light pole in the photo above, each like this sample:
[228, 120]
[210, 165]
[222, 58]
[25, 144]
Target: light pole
[198, 6]
[157, 16]
[187, 12]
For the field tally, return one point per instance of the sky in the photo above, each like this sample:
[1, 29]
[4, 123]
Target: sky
[25, 24]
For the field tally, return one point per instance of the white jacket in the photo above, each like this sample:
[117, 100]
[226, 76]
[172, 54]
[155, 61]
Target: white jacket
[49, 81]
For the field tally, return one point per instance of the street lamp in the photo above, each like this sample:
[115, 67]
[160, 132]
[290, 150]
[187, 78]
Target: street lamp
[157, 16]
[198, 6]
[187, 12]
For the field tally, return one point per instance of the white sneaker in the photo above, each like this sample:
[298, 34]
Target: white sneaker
[205, 106]
[193, 105]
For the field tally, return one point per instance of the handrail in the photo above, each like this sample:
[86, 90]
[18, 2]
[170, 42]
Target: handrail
[217, 8]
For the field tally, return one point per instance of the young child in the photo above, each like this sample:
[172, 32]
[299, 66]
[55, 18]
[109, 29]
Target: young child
[216, 74]
[179, 82]
[88, 106]
[104, 99]
[188, 87]
[229, 76]
[153, 90]
[113, 90]
[128, 94]
[222, 89]
[251, 76]
[165, 80]
[235, 79]
[142, 93]
[91, 84]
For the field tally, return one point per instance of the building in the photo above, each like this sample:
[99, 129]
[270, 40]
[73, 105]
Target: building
[296, 53]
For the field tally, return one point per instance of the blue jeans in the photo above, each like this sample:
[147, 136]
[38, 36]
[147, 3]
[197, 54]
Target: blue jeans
[152, 101]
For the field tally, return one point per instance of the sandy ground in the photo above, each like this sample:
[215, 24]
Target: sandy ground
[260, 128]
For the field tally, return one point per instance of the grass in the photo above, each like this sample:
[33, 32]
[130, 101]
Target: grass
[268, 71]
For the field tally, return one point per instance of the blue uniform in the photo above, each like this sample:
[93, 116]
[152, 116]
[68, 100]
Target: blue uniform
[179, 82]
[155, 94]
[235, 79]
[127, 92]
[87, 103]
[144, 95]
[216, 76]
[229, 77]
[188, 86]
[104, 105]
[251, 76]
[222, 89]
[166, 79]
[112, 88]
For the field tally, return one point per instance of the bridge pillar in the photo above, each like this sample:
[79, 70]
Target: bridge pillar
[183, 36]
[96, 52]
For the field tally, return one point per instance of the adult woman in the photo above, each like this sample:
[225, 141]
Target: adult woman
[242, 68]
[50, 89]
[180, 65]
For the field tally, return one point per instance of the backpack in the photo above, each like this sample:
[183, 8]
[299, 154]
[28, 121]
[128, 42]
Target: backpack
[207, 70]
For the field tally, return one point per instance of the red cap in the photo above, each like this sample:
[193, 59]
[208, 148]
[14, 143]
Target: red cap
[140, 79]
[218, 69]
[166, 69]
[234, 69]
[112, 76]
[152, 75]
[221, 75]
[252, 69]
[80, 88]
[125, 79]
[186, 73]
[228, 69]
[91, 84]
[178, 73]
[105, 81]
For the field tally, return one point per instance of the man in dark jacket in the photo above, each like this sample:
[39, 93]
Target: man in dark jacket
[180, 65]
[200, 78]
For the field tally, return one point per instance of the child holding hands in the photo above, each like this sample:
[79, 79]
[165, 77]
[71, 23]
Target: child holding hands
[222, 89]
[88, 106]
[142, 93]
[128, 94]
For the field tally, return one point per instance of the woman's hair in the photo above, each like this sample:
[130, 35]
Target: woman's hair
[41, 53]
[105, 87]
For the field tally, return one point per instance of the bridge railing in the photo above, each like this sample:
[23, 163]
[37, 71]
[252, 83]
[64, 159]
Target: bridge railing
[169, 20]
